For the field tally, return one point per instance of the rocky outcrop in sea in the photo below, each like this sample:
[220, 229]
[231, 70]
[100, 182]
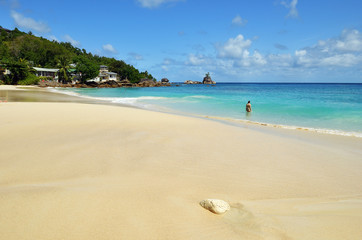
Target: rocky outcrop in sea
[208, 80]
[192, 82]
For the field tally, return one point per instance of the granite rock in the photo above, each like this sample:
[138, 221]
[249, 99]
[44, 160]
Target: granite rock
[215, 205]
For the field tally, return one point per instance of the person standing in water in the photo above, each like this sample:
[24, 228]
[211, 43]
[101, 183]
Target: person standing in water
[248, 107]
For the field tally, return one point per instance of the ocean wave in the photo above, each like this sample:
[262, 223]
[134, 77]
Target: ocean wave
[152, 98]
[198, 97]
[122, 100]
[134, 101]
[62, 91]
[290, 127]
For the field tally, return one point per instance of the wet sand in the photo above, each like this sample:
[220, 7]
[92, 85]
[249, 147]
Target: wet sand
[36, 94]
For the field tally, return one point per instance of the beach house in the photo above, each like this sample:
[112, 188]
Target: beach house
[104, 75]
[51, 73]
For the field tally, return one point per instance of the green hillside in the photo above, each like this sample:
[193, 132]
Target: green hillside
[20, 51]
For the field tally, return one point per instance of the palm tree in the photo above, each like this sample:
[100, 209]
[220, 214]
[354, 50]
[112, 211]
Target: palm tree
[63, 65]
[28, 64]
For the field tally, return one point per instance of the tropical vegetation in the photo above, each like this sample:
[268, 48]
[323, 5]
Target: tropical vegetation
[20, 52]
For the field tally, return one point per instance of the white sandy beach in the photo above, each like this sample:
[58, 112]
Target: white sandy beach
[88, 171]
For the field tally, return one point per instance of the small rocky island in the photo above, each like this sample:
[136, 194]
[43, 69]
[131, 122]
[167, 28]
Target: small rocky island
[207, 80]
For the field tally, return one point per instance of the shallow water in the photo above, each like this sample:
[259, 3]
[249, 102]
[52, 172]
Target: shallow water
[330, 108]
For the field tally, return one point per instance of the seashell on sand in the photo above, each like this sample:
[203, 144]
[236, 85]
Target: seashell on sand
[215, 205]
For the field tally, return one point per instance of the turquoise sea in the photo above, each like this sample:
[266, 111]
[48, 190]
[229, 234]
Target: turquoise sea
[321, 107]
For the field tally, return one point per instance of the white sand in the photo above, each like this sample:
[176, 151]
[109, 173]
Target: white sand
[18, 87]
[79, 171]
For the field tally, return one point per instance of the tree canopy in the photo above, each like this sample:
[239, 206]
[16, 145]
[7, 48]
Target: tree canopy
[40, 52]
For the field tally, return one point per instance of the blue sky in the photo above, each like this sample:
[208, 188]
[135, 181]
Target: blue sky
[234, 40]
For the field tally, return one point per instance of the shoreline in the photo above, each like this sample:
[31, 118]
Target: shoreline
[100, 171]
[307, 134]
[236, 122]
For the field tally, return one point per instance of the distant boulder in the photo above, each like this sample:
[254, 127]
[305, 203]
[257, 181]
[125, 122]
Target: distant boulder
[191, 82]
[164, 80]
[108, 84]
[146, 82]
[125, 83]
[81, 85]
[92, 84]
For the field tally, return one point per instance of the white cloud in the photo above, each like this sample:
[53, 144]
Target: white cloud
[196, 60]
[238, 21]
[234, 48]
[109, 49]
[53, 38]
[135, 56]
[256, 59]
[303, 58]
[237, 49]
[168, 61]
[280, 60]
[292, 6]
[350, 40]
[72, 41]
[344, 51]
[259, 59]
[154, 3]
[300, 53]
[235, 59]
[344, 60]
[29, 23]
